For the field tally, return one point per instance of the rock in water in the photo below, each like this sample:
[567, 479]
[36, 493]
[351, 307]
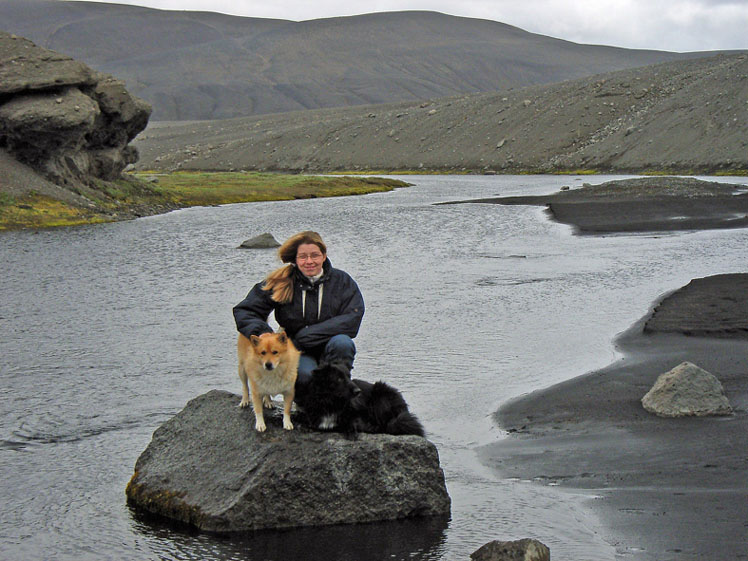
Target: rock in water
[520, 550]
[686, 390]
[263, 241]
[208, 467]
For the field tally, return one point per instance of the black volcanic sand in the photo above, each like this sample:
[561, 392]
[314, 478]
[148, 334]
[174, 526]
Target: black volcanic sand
[648, 204]
[666, 489]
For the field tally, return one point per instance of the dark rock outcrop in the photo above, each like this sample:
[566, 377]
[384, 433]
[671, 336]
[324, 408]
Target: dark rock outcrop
[70, 124]
[209, 468]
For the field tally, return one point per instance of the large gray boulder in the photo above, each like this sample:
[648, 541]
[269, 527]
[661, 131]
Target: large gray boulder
[67, 122]
[687, 390]
[208, 467]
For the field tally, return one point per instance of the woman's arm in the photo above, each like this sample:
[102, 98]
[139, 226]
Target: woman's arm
[251, 314]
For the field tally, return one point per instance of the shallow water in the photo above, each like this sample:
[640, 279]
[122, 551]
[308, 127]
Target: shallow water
[108, 330]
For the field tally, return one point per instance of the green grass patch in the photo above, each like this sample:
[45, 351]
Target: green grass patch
[149, 193]
[36, 211]
[662, 172]
[402, 172]
[732, 173]
[576, 172]
[192, 188]
[6, 200]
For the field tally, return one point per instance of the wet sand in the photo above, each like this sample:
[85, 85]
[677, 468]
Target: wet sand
[665, 488]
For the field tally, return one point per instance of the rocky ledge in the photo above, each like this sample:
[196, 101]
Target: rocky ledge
[209, 468]
[63, 120]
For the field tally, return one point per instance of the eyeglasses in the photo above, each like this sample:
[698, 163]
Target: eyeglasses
[312, 256]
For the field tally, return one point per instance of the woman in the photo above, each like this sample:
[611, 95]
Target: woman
[318, 306]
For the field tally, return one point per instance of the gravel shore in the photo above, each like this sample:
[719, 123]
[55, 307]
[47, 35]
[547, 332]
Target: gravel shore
[665, 488]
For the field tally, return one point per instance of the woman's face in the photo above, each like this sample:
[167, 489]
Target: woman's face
[309, 259]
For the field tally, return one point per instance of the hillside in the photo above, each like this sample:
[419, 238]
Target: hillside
[685, 117]
[197, 65]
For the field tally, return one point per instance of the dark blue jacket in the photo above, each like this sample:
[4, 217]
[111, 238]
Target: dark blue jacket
[341, 312]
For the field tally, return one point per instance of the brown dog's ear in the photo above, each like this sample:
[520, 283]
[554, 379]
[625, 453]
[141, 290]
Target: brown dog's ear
[282, 337]
[254, 339]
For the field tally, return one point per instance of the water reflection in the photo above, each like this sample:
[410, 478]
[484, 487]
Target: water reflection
[418, 538]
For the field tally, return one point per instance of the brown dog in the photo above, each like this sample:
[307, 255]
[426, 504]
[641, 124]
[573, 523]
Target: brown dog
[269, 362]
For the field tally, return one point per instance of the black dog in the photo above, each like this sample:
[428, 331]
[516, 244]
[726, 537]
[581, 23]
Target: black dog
[332, 401]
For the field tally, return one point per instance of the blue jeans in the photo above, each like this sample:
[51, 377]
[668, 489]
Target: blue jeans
[339, 347]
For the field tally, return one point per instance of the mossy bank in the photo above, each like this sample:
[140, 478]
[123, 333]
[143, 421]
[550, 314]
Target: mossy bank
[145, 194]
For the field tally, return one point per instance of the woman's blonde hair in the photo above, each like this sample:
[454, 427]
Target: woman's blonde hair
[280, 281]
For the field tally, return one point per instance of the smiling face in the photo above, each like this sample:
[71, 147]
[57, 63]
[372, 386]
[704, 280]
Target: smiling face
[309, 259]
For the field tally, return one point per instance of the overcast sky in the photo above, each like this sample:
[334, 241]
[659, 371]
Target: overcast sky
[672, 25]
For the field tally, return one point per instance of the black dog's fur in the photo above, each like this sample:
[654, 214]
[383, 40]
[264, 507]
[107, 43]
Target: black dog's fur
[332, 401]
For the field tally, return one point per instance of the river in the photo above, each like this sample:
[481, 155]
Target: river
[108, 330]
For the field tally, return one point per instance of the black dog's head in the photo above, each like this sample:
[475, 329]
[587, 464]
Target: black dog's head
[333, 379]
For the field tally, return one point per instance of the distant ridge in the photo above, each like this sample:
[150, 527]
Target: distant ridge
[199, 65]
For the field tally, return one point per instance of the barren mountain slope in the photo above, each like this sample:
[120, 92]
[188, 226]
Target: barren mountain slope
[687, 117]
[192, 65]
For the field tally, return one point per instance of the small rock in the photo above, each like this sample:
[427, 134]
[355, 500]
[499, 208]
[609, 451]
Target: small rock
[521, 550]
[686, 390]
[263, 241]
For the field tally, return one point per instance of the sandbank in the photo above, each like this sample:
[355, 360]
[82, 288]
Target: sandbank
[664, 488]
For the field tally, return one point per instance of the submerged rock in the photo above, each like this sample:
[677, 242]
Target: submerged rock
[208, 467]
[520, 550]
[263, 241]
[687, 390]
